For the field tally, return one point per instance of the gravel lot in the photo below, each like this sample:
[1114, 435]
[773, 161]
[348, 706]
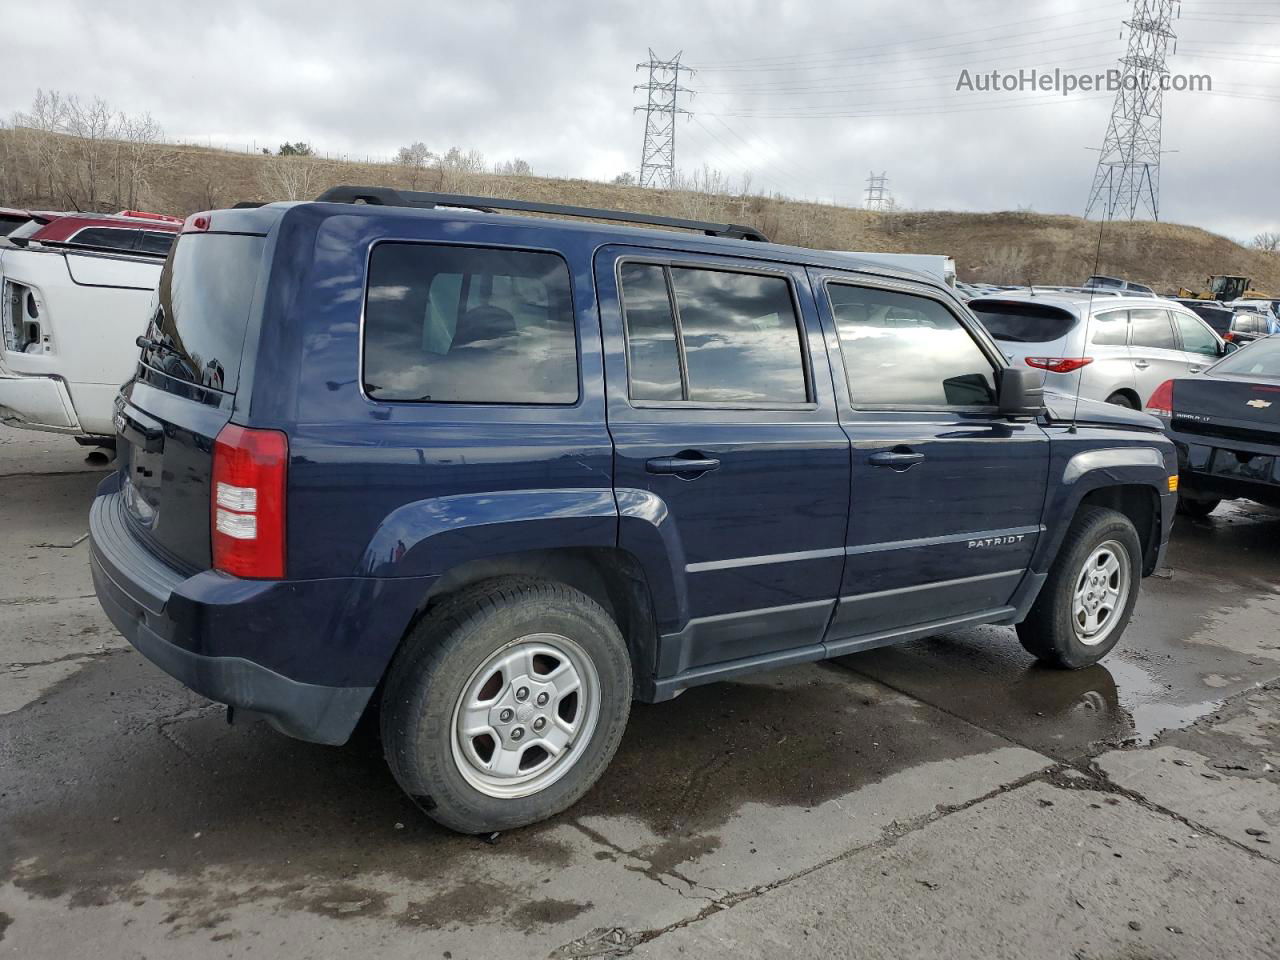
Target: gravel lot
[943, 798]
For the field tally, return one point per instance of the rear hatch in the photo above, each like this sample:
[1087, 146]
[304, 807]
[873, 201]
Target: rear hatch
[182, 396]
[1026, 329]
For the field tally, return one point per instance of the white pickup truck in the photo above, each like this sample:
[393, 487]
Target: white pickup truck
[69, 319]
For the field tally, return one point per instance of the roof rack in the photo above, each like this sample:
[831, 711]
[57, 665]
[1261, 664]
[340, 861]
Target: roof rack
[390, 197]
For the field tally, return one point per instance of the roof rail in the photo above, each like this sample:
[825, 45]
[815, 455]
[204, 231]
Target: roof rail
[391, 197]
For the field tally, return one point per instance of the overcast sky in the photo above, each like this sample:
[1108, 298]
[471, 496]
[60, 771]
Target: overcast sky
[807, 97]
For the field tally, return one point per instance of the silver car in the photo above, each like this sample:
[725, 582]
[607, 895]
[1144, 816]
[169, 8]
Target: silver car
[1117, 349]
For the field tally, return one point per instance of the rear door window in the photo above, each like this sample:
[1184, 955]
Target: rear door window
[1196, 338]
[902, 350]
[711, 336]
[1110, 329]
[1152, 329]
[449, 324]
[156, 242]
[113, 238]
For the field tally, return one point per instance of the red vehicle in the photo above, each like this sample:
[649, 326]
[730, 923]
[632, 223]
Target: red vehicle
[130, 231]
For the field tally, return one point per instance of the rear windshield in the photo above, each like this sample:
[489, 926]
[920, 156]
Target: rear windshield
[1023, 322]
[1215, 317]
[1260, 359]
[203, 308]
[9, 221]
[451, 324]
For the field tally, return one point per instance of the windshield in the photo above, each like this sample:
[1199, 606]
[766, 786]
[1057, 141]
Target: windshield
[1260, 359]
[1023, 322]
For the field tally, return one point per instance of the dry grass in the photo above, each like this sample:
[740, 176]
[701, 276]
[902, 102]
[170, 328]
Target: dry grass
[996, 247]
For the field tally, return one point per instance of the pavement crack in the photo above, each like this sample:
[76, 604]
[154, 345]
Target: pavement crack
[19, 601]
[86, 655]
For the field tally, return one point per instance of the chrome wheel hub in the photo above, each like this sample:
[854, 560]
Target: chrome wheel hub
[525, 715]
[1102, 589]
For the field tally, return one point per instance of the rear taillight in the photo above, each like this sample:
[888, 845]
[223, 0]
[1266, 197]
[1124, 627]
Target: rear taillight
[1161, 402]
[197, 223]
[249, 473]
[1058, 364]
[1229, 337]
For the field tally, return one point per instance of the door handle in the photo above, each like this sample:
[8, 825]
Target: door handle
[896, 460]
[1141, 364]
[681, 465]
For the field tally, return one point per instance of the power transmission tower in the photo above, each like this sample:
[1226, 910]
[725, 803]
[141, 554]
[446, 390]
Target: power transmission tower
[878, 196]
[658, 158]
[1128, 173]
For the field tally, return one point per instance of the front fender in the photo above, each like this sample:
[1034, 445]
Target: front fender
[429, 537]
[1097, 459]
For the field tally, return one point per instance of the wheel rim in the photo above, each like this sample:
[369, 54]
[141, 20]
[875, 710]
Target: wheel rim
[1102, 589]
[525, 716]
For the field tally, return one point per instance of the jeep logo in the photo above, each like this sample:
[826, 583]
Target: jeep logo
[996, 541]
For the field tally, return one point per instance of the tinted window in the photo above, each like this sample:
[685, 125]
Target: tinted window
[156, 242]
[653, 360]
[1110, 329]
[1195, 338]
[901, 350]
[1259, 359]
[9, 221]
[740, 336]
[109, 237]
[1216, 317]
[1151, 328]
[204, 295]
[1023, 322]
[469, 325]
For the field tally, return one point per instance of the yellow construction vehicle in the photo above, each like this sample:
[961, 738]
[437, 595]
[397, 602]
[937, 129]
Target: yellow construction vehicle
[1225, 289]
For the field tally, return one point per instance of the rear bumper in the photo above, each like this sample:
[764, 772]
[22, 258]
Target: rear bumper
[37, 403]
[1197, 478]
[306, 654]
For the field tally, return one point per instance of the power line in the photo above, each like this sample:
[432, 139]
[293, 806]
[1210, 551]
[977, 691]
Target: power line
[1128, 172]
[658, 155]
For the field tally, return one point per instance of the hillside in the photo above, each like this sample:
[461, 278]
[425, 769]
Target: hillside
[995, 247]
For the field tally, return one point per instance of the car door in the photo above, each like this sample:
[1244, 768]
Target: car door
[727, 449]
[945, 495]
[1200, 345]
[1110, 370]
[1154, 350]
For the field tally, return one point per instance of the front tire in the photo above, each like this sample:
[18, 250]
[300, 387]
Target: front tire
[1085, 604]
[1122, 400]
[505, 704]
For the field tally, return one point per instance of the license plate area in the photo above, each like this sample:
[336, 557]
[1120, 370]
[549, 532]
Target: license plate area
[1243, 466]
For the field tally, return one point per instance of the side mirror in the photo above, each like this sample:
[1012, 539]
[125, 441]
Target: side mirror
[1021, 393]
[1229, 347]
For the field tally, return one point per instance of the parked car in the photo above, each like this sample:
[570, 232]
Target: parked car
[11, 218]
[1225, 424]
[129, 231]
[1247, 326]
[1126, 287]
[1117, 349]
[72, 304]
[492, 477]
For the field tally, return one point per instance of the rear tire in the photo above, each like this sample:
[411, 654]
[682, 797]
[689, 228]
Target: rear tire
[498, 658]
[1198, 509]
[1085, 604]
[1122, 400]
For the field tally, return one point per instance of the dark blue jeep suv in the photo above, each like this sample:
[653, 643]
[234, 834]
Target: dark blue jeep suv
[491, 477]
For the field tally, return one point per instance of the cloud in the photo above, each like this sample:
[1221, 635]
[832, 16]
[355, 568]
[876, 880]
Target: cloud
[801, 96]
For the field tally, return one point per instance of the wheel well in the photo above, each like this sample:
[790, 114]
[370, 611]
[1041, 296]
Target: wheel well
[1141, 505]
[1130, 395]
[612, 578]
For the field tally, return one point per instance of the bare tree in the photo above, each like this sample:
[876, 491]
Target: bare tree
[94, 125]
[625, 179]
[415, 158]
[457, 168]
[139, 153]
[289, 178]
[514, 167]
[42, 146]
[1268, 240]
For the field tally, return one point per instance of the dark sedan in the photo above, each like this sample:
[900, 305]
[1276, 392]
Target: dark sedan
[1225, 424]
